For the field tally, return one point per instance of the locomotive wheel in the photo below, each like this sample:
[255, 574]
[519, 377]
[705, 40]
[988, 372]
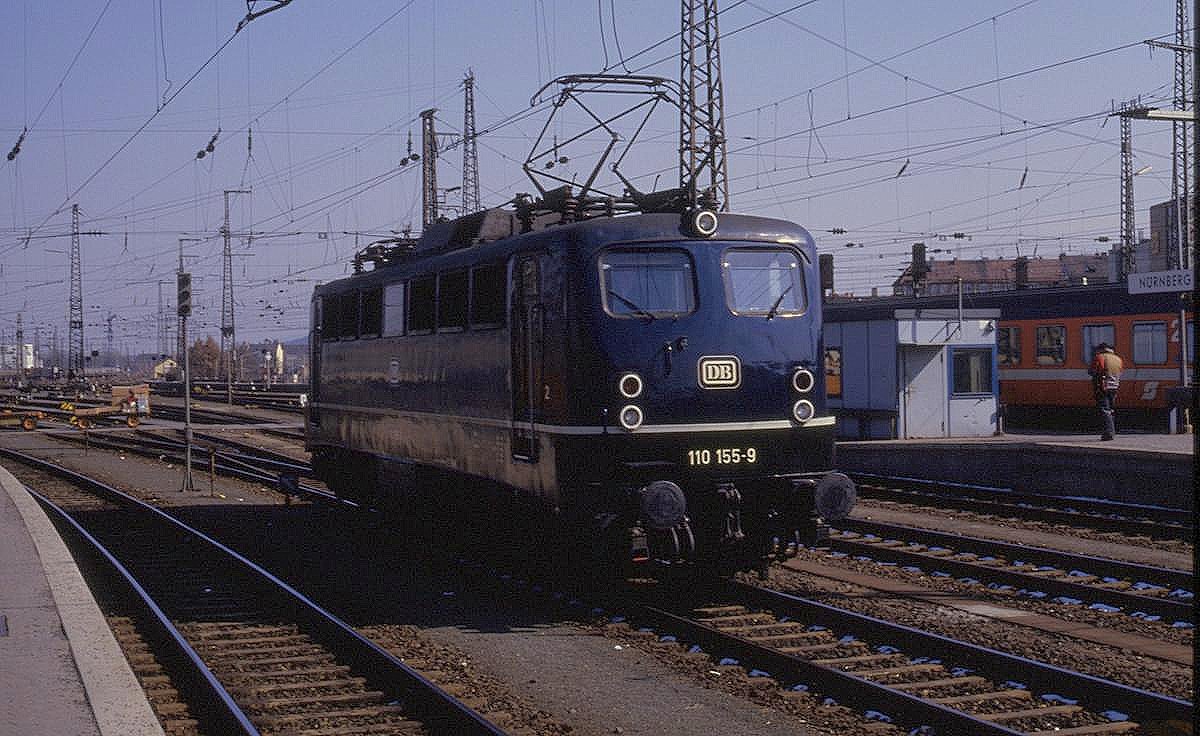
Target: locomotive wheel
[132, 421]
[28, 423]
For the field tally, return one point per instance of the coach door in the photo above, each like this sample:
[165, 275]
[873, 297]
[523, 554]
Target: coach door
[527, 318]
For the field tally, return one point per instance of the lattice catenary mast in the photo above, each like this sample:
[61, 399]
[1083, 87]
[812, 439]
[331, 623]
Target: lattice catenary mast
[1185, 207]
[429, 152]
[1127, 242]
[470, 161]
[75, 313]
[702, 169]
[228, 334]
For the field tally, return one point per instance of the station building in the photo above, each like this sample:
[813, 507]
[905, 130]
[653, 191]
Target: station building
[911, 373]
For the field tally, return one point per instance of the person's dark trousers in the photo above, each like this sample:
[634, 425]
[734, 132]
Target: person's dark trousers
[1107, 402]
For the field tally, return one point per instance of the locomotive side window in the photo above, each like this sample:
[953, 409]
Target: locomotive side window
[1150, 342]
[422, 304]
[1008, 345]
[1093, 335]
[371, 305]
[1051, 345]
[487, 296]
[393, 309]
[972, 371]
[647, 283]
[348, 315]
[766, 281]
[327, 311]
[452, 301]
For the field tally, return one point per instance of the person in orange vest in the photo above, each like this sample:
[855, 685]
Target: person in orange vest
[1106, 379]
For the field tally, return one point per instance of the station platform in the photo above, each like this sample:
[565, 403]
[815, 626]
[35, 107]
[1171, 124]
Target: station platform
[1134, 467]
[61, 670]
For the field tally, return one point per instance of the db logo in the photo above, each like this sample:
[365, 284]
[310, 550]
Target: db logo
[719, 371]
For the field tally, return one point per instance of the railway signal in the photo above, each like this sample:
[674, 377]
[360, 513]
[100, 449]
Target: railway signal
[183, 293]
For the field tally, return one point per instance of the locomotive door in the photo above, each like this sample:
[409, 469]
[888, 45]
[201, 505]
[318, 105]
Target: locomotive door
[527, 327]
[314, 373]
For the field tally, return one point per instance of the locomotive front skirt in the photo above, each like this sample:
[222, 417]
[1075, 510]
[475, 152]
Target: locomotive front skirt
[658, 392]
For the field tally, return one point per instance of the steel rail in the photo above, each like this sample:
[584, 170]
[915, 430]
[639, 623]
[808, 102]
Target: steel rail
[240, 468]
[432, 704]
[1106, 516]
[219, 710]
[1171, 609]
[844, 687]
[1095, 692]
[1163, 576]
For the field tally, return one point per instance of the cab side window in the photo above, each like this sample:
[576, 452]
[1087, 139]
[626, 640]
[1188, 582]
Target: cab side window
[422, 304]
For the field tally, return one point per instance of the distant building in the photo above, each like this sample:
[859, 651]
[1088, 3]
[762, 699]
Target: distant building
[1000, 274]
[1155, 254]
[166, 369]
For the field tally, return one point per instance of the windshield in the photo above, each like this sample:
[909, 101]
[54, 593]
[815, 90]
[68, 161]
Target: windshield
[766, 281]
[647, 283]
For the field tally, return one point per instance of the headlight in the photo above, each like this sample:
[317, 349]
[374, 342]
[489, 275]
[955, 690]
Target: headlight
[631, 417]
[803, 410]
[630, 385]
[803, 380]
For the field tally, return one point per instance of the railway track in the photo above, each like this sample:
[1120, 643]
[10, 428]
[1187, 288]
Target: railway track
[1061, 576]
[1152, 521]
[910, 677]
[1042, 573]
[272, 659]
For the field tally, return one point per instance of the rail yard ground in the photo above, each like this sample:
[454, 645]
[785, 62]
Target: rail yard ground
[505, 644]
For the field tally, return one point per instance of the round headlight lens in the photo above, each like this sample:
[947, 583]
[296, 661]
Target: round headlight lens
[630, 385]
[631, 417]
[803, 380]
[803, 410]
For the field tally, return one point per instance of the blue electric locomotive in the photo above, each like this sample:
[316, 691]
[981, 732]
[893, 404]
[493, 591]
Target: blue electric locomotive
[658, 392]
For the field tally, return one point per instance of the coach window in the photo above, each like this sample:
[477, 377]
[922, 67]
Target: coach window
[1051, 345]
[763, 281]
[487, 296]
[1008, 345]
[1150, 343]
[348, 315]
[452, 301]
[393, 309]
[371, 305]
[422, 304]
[833, 372]
[1093, 335]
[972, 371]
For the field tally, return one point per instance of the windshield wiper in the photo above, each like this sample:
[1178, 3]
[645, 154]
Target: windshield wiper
[775, 307]
[636, 309]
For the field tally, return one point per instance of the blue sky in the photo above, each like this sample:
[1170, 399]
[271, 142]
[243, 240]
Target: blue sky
[824, 104]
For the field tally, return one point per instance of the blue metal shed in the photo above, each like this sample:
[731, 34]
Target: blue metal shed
[910, 373]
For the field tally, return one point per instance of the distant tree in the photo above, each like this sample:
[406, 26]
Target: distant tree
[206, 358]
